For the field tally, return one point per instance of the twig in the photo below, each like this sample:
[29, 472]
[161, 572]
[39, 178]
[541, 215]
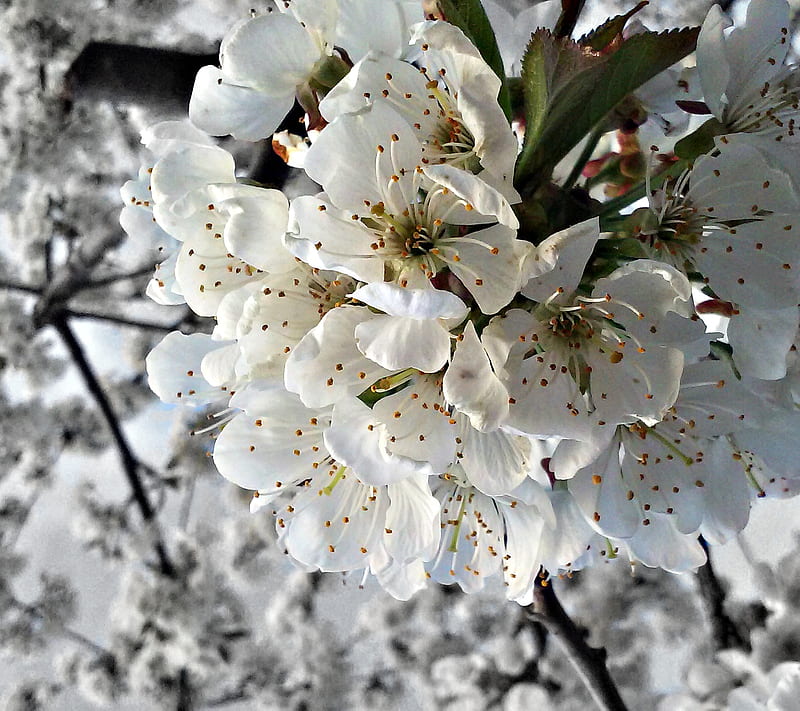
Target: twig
[228, 698]
[184, 692]
[114, 278]
[120, 320]
[186, 504]
[130, 465]
[589, 662]
[14, 286]
[570, 12]
[725, 633]
[66, 632]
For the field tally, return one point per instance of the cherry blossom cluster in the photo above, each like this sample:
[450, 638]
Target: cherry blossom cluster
[414, 384]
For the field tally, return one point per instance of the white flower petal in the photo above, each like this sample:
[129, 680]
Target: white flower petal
[716, 71]
[389, 32]
[413, 518]
[326, 364]
[649, 298]
[367, 138]
[398, 342]
[559, 261]
[420, 304]
[358, 439]
[495, 462]
[491, 264]
[471, 386]
[761, 340]
[659, 545]
[173, 369]
[219, 366]
[400, 580]
[289, 61]
[601, 493]
[223, 108]
[326, 237]
[192, 167]
[636, 386]
[334, 529]
[726, 494]
[255, 229]
[480, 197]
[524, 528]
[275, 443]
[165, 136]
[420, 426]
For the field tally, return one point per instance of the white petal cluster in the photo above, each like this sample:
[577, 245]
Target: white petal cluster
[410, 385]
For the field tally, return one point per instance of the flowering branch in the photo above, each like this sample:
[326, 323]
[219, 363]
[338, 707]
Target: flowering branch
[589, 662]
[725, 633]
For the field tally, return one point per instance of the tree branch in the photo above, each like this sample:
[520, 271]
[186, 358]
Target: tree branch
[185, 702]
[570, 12]
[130, 465]
[120, 320]
[128, 74]
[13, 286]
[725, 633]
[114, 278]
[589, 662]
[66, 632]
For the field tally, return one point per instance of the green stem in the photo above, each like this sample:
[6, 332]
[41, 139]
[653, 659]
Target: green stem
[688, 461]
[336, 479]
[453, 548]
[639, 191]
[586, 154]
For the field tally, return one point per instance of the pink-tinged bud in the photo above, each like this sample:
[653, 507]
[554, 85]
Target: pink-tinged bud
[593, 167]
[613, 190]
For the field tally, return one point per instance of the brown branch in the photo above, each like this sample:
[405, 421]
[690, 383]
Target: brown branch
[570, 12]
[130, 465]
[725, 633]
[589, 662]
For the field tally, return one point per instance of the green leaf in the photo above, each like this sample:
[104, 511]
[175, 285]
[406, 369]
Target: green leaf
[549, 68]
[700, 141]
[470, 17]
[600, 37]
[570, 89]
